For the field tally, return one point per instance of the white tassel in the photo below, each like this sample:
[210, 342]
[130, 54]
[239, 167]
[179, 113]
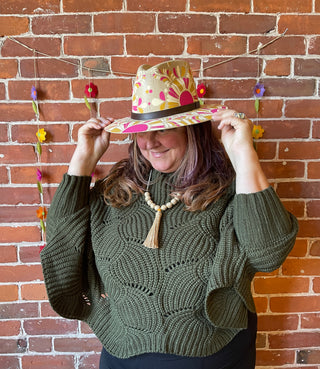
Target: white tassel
[152, 239]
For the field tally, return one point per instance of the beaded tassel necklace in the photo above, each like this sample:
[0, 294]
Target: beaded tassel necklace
[152, 238]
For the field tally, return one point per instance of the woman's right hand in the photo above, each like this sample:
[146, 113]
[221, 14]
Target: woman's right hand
[93, 141]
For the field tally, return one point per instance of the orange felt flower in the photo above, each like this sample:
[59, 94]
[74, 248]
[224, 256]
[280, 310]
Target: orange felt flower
[257, 131]
[42, 213]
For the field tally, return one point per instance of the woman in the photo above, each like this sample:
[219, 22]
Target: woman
[158, 257]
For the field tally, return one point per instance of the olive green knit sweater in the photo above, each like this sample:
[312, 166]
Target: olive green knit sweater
[189, 297]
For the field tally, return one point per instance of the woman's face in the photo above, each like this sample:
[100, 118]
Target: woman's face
[163, 149]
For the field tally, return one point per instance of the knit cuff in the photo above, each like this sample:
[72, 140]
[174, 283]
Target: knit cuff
[71, 195]
[260, 218]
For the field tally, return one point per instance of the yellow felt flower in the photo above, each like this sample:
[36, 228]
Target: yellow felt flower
[41, 134]
[257, 131]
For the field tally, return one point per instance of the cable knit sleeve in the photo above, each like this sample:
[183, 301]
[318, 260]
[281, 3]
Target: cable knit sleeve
[66, 261]
[264, 228]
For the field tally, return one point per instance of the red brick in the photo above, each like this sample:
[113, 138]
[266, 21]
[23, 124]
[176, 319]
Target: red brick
[2, 91]
[295, 207]
[306, 190]
[89, 361]
[46, 361]
[220, 6]
[47, 311]
[8, 254]
[288, 45]
[129, 65]
[299, 24]
[291, 169]
[293, 340]
[18, 213]
[17, 154]
[99, 66]
[16, 112]
[299, 150]
[303, 108]
[294, 304]
[56, 154]
[50, 326]
[274, 322]
[78, 6]
[47, 45]
[50, 174]
[315, 248]
[313, 170]
[4, 175]
[268, 108]
[94, 45]
[282, 129]
[314, 45]
[305, 267]
[4, 133]
[29, 254]
[307, 67]
[19, 234]
[18, 310]
[216, 45]
[309, 228]
[9, 362]
[31, 7]
[10, 328]
[27, 133]
[278, 67]
[85, 329]
[316, 129]
[63, 112]
[240, 67]
[124, 23]
[279, 285]
[284, 6]
[8, 68]
[40, 344]
[115, 153]
[14, 25]
[310, 321]
[187, 23]
[274, 357]
[49, 68]
[33, 292]
[115, 109]
[18, 195]
[160, 5]
[261, 304]
[46, 90]
[77, 345]
[266, 150]
[8, 292]
[289, 87]
[233, 88]
[59, 24]
[308, 356]
[108, 88]
[20, 273]
[238, 23]
[154, 44]
[316, 285]
[261, 340]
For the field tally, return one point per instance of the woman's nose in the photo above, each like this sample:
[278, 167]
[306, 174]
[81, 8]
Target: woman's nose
[150, 139]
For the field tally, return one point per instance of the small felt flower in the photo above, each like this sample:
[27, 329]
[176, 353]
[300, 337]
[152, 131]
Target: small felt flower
[33, 93]
[201, 90]
[91, 90]
[257, 131]
[259, 90]
[42, 213]
[41, 134]
[41, 247]
[39, 175]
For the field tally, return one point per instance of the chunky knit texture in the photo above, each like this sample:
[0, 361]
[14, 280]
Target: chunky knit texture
[189, 297]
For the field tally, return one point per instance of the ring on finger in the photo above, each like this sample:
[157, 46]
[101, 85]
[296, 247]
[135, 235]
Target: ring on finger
[239, 115]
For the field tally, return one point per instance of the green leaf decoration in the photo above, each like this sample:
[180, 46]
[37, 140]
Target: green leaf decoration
[257, 105]
[43, 227]
[39, 187]
[87, 103]
[34, 106]
[39, 148]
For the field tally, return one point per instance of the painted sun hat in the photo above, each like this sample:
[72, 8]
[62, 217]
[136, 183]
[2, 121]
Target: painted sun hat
[164, 96]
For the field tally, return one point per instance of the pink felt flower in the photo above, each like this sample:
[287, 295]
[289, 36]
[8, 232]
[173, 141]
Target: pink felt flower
[39, 175]
[201, 90]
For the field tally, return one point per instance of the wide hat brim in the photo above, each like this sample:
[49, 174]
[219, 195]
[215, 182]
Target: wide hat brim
[196, 116]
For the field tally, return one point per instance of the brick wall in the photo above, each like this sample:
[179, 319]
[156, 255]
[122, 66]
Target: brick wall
[117, 36]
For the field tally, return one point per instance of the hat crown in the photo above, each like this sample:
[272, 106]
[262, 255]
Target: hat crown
[168, 85]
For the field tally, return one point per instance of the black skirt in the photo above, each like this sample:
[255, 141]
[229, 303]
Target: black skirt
[240, 353]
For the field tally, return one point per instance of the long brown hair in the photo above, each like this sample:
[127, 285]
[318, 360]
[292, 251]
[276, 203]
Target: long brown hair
[202, 177]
